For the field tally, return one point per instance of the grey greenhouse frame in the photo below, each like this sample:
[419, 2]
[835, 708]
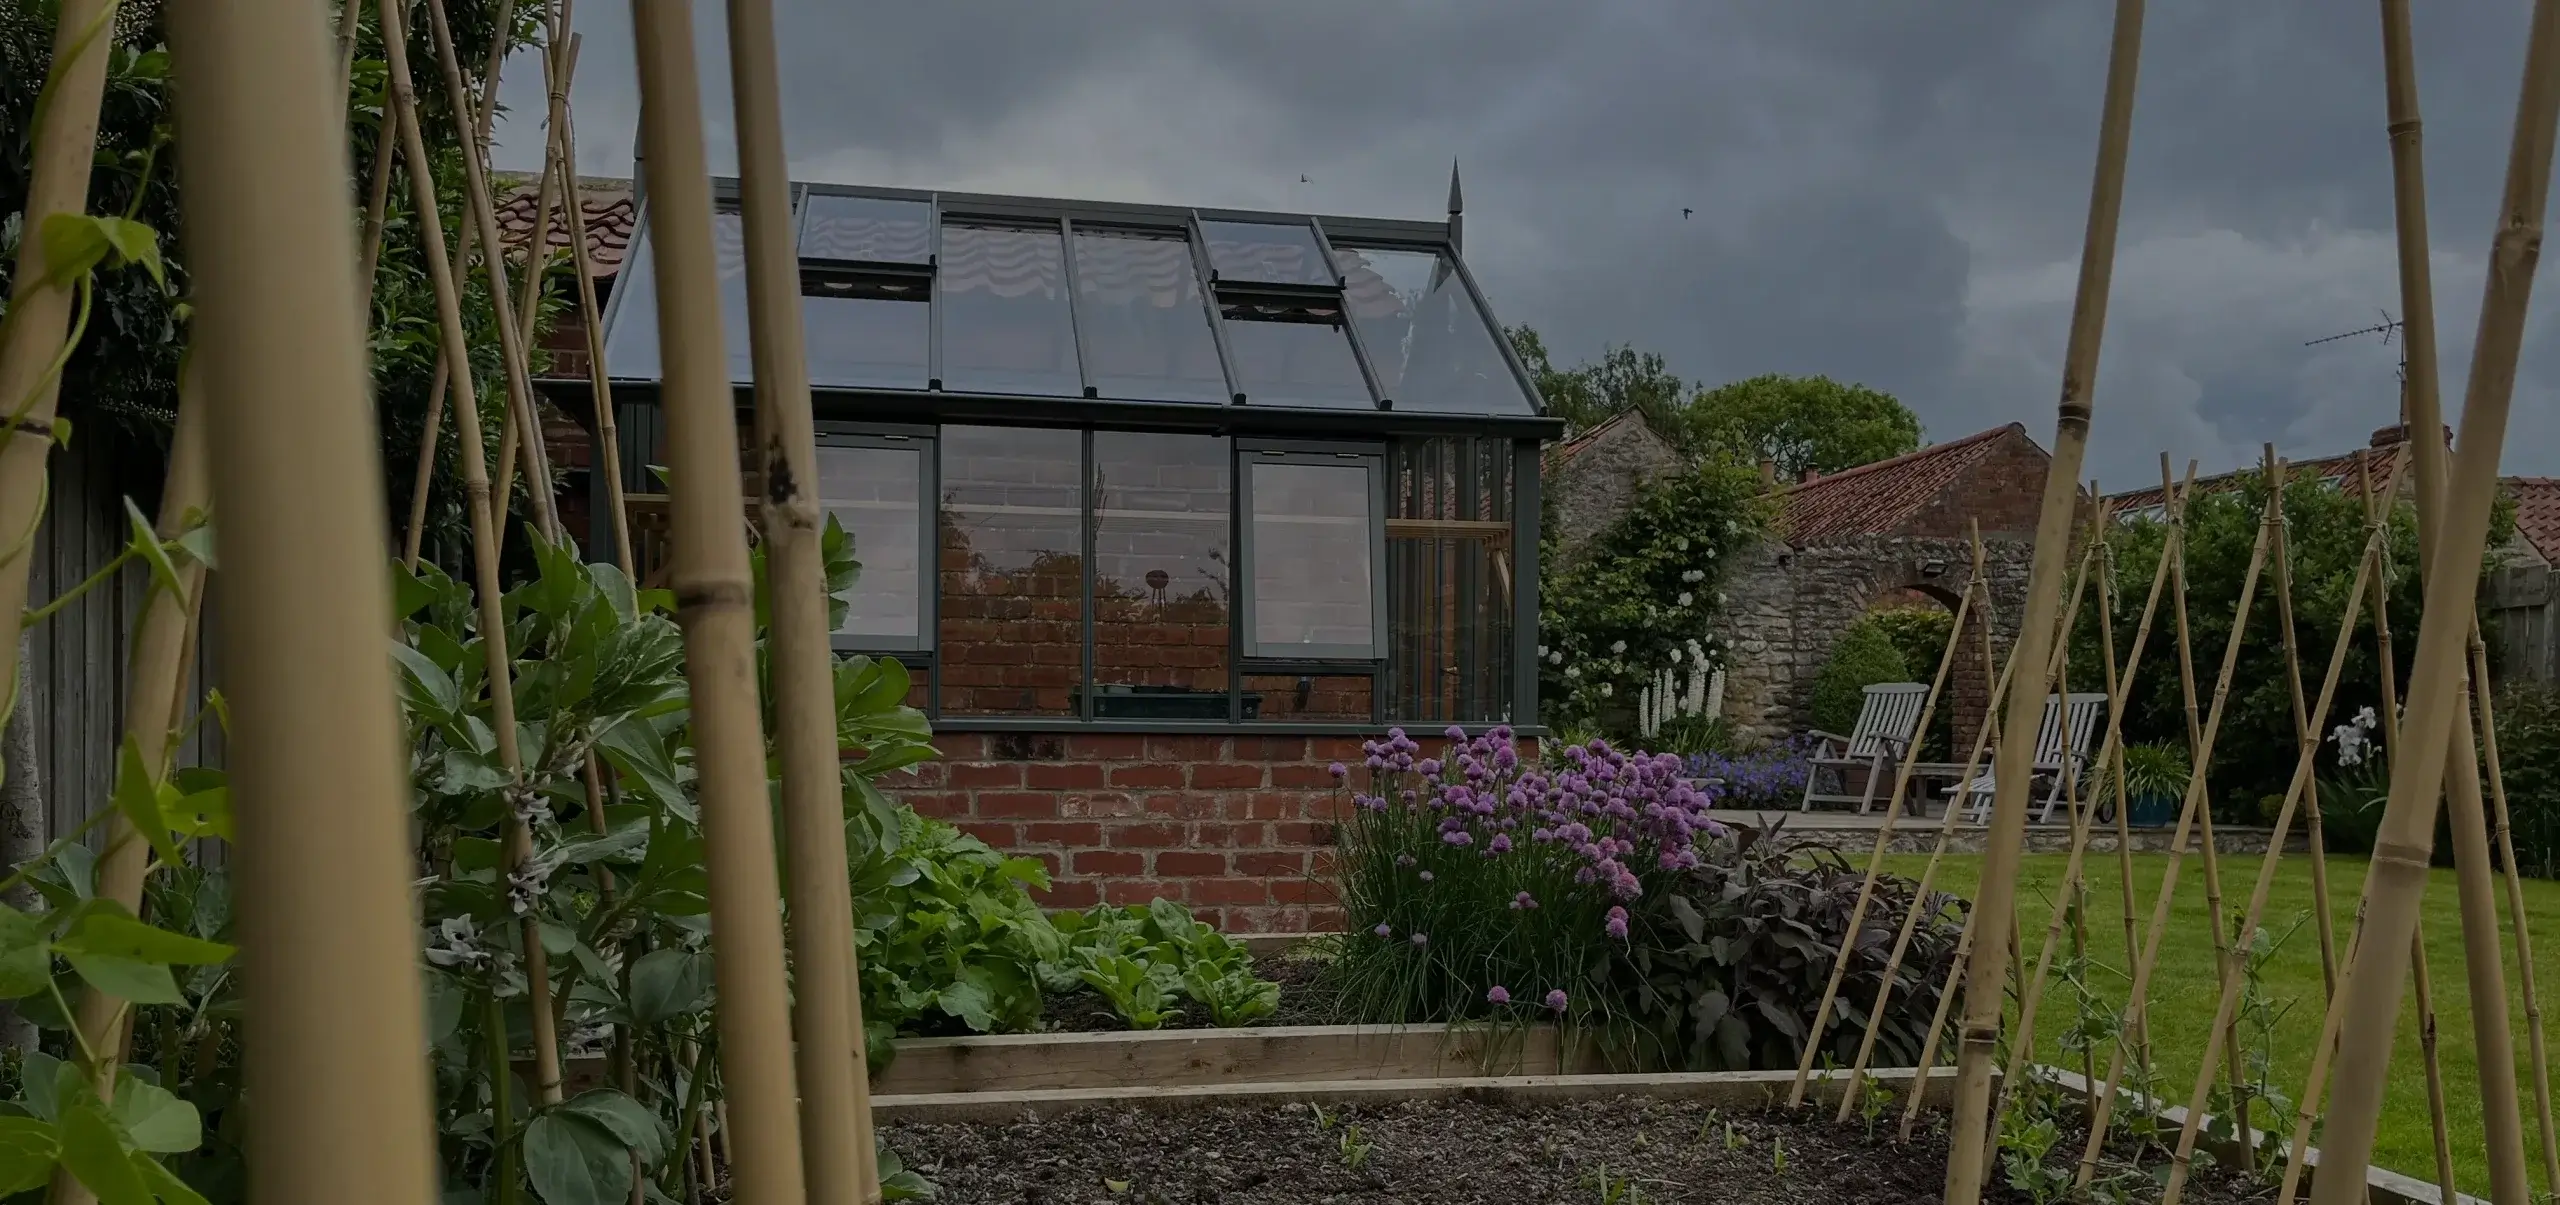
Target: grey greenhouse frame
[1143, 467]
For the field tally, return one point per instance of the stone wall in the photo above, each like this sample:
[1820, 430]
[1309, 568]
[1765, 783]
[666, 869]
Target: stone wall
[1594, 479]
[1786, 606]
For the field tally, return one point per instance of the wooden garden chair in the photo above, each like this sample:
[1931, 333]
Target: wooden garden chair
[2062, 752]
[1888, 720]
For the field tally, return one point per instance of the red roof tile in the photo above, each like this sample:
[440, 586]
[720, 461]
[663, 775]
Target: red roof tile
[609, 213]
[2538, 513]
[1876, 499]
[2382, 451]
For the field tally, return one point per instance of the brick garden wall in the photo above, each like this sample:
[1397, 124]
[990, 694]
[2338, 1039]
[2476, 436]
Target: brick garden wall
[1239, 828]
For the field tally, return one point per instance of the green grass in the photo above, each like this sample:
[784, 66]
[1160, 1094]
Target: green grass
[2184, 987]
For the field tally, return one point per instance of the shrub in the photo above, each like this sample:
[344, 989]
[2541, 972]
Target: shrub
[1600, 891]
[1770, 775]
[2529, 758]
[1732, 957]
[1863, 656]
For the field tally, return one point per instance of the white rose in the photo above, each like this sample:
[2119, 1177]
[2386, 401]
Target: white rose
[1685, 598]
[1573, 671]
[1606, 690]
[1619, 646]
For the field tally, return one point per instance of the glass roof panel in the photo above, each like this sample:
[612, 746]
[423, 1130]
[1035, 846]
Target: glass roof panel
[1294, 354]
[871, 230]
[1146, 330]
[631, 347]
[1266, 253]
[862, 338]
[1005, 321]
[1428, 341]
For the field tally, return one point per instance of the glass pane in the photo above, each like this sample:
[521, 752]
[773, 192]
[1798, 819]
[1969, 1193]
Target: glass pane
[1160, 630]
[858, 337]
[1427, 341]
[1005, 327]
[1282, 359]
[1311, 584]
[1012, 570]
[1450, 571]
[866, 230]
[1138, 298]
[631, 347]
[1307, 698]
[876, 494]
[1266, 253]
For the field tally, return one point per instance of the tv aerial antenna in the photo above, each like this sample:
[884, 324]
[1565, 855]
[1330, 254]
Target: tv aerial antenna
[2389, 328]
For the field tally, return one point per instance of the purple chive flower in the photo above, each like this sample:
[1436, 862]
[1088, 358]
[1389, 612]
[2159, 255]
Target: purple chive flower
[1420, 940]
[1523, 901]
[1456, 735]
[1499, 995]
[1556, 1000]
[1404, 859]
[1426, 876]
[1501, 844]
[1383, 932]
[1337, 770]
[1618, 923]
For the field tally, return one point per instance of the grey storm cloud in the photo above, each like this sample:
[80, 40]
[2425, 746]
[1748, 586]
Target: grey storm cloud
[1882, 191]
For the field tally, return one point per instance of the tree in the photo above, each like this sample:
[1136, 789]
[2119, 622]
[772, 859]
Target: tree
[1800, 423]
[1588, 395]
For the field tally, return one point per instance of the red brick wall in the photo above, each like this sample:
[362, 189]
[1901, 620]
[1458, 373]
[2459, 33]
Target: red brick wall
[1239, 828]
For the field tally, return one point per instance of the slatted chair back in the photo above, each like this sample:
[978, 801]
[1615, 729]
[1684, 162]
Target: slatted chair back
[2081, 722]
[1887, 719]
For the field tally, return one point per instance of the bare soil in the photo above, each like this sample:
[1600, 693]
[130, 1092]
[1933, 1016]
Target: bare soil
[1624, 1151]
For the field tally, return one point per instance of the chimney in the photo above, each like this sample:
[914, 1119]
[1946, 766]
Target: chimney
[1810, 476]
[1768, 475]
[2389, 437]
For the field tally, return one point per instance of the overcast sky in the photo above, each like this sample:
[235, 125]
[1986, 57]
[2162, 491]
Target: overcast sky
[1884, 192]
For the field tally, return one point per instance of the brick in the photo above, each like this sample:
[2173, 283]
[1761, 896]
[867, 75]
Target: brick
[1303, 777]
[1017, 805]
[1186, 748]
[1326, 920]
[1022, 746]
[1302, 891]
[1136, 891]
[1269, 864]
[1275, 805]
[1113, 747]
[1225, 776]
[1070, 893]
[988, 774]
[1302, 833]
[1214, 834]
[1218, 918]
[1344, 749]
[1064, 833]
[1186, 864]
[1157, 777]
[1145, 836]
[1098, 804]
[922, 774]
[1247, 920]
[1271, 748]
[998, 835]
[1065, 776]
[1109, 862]
[941, 806]
[1184, 806]
[1226, 891]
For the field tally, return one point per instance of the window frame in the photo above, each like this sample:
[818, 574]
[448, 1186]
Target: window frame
[926, 444]
[1250, 655]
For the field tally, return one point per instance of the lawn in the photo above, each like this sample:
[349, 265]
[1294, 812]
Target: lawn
[2184, 986]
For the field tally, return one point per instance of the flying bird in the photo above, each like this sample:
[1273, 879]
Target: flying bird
[1685, 211]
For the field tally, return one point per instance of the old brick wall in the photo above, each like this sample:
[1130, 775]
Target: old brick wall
[1239, 828]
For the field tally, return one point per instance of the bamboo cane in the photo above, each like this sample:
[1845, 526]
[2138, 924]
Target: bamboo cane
[2120, 686]
[1977, 1039]
[39, 314]
[1937, 1025]
[1909, 760]
[2117, 691]
[526, 424]
[475, 480]
[2306, 730]
[349, 13]
[2199, 767]
[158, 671]
[715, 603]
[2536, 1048]
[1911, 916]
[2137, 1005]
[2307, 750]
[837, 1154]
[608, 436]
[2453, 512]
[377, 204]
[317, 756]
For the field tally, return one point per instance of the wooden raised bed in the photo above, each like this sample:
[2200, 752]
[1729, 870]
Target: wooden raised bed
[1186, 1057]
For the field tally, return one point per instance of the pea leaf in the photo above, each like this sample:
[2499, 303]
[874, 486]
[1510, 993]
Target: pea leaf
[97, 1158]
[25, 967]
[115, 934]
[574, 1160]
[424, 684]
[138, 797]
[157, 1120]
[128, 979]
[166, 1185]
[28, 1148]
[625, 1119]
[134, 243]
[147, 543]
[73, 244]
[666, 984]
[635, 749]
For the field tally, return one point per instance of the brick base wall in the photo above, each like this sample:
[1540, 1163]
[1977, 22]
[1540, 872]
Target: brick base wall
[1238, 828]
